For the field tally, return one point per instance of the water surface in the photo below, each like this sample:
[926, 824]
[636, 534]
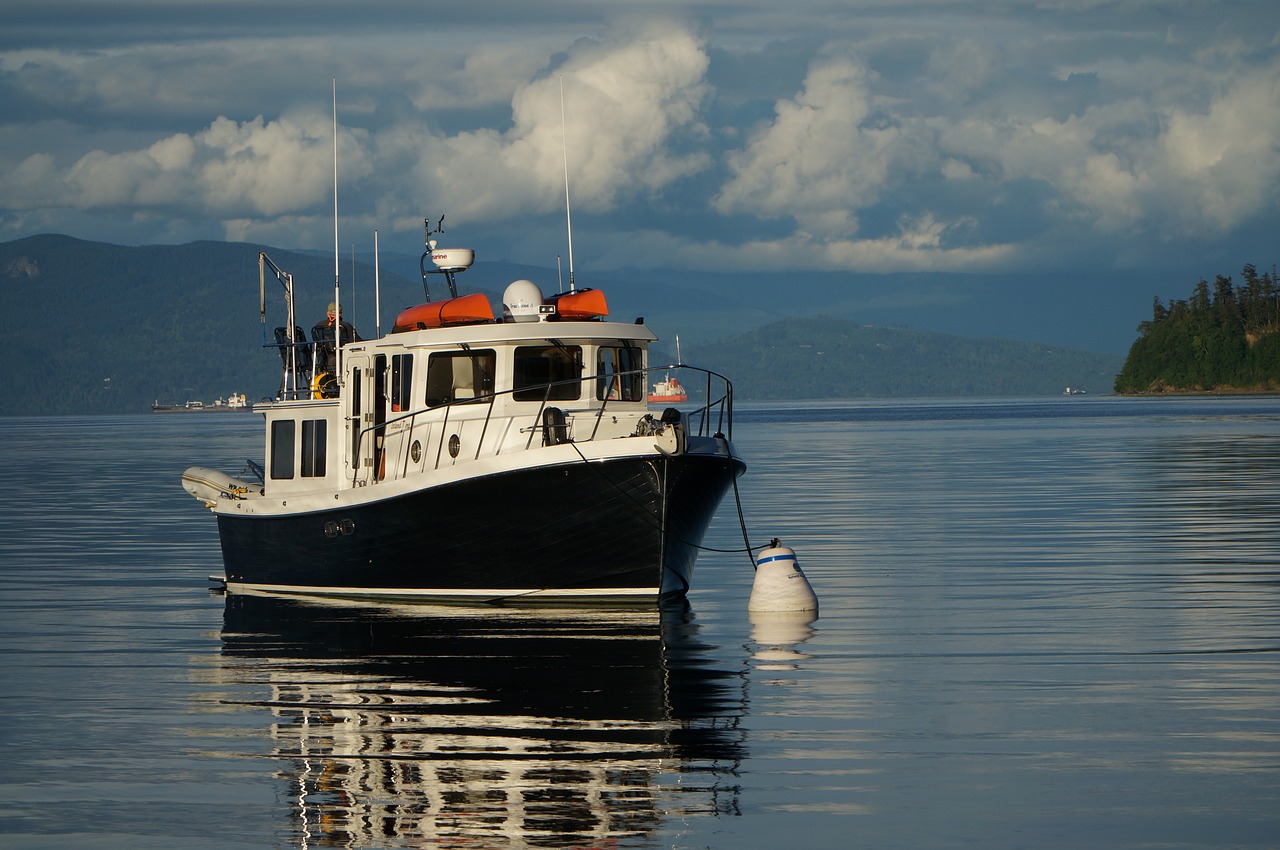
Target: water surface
[1047, 623]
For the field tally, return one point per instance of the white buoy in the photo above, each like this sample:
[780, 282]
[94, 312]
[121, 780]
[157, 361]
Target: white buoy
[780, 584]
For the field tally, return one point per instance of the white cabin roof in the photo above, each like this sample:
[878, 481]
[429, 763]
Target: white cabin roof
[509, 332]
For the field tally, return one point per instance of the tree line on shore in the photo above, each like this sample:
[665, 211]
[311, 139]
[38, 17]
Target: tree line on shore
[1224, 338]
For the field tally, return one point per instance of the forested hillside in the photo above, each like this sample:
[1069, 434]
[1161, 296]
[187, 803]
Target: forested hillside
[1227, 339]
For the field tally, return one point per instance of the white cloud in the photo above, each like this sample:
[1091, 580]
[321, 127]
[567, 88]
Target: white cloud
[276, 167]
[229, 169]
[624, 103]
[1135, 164]
[819, 160]
[1225, 160]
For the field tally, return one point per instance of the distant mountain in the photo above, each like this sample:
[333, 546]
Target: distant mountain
[827, 358]
[103, 328]
[1094, 312]
[98, 328]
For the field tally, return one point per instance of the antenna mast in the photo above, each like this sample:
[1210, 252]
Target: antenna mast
[377, 290]
[564, 140]
[337, 300]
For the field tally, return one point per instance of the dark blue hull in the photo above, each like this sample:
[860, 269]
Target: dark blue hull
[625, 529]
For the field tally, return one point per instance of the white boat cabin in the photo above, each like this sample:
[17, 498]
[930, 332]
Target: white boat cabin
[422, 400]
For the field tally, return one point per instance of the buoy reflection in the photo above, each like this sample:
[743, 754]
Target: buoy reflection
[778, 637]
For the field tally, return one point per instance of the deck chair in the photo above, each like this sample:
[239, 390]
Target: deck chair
[299, 350]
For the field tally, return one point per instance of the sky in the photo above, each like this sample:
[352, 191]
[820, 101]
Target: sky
[731, 135]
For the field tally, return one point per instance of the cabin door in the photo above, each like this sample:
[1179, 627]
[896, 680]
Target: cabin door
[364, 415]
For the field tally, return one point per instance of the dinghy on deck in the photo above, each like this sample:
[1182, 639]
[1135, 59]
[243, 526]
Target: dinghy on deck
[463, 310]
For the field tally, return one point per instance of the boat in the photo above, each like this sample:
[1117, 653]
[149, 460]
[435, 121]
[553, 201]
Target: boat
[476, 456]
[669, 390]
[234, 403]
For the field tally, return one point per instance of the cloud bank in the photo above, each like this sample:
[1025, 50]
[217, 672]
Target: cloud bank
[948, 136]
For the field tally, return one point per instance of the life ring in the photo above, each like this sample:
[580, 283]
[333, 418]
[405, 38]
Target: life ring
[324, 385]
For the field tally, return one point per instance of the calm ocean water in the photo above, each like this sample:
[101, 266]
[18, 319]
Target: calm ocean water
[1045, 624]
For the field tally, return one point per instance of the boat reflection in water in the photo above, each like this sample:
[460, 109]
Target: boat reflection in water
[483, 728]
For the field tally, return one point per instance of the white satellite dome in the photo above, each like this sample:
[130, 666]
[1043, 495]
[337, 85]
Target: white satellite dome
[522, 302]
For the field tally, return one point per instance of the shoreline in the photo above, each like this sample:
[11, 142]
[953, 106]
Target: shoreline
[1217, 391]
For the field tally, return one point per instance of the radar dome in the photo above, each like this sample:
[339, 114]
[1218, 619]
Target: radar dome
[522, 302]
[453, 259]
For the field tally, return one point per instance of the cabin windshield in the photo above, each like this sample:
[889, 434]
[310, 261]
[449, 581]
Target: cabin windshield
[619, 374]
[537, 366]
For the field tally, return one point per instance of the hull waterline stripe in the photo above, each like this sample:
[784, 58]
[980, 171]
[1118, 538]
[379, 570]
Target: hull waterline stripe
[772, 558]
[459, 593]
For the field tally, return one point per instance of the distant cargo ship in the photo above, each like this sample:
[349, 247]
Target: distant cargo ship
[669, 390]
[231, 404]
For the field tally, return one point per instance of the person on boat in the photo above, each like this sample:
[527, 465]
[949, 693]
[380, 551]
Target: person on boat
[322, 334]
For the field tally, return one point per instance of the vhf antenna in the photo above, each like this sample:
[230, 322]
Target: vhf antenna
[564, 138]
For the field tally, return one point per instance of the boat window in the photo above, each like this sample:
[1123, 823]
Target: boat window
[461, 376]
[618, 373]
[538, 366]
[379, 413]
[313, 448]
[401, 381]
[282, 431]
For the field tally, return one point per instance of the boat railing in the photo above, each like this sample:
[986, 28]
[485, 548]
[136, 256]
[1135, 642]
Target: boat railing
[298, 356]
[714, 415]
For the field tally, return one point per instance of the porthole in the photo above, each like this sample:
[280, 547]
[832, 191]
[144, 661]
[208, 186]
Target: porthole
[455, 445]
